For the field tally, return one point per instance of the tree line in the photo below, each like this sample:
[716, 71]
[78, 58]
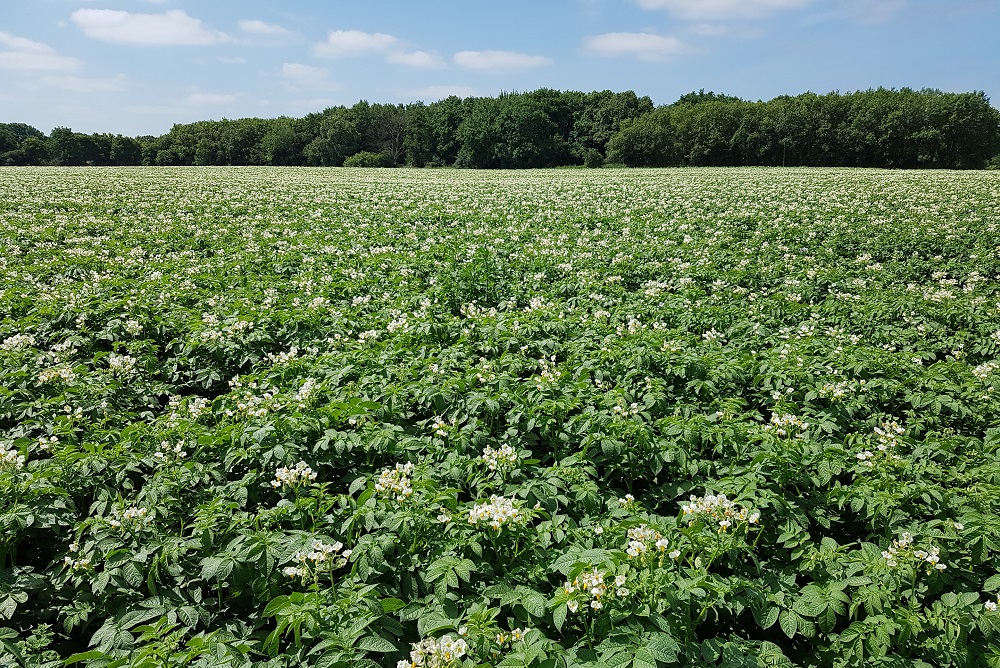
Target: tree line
[547, 128]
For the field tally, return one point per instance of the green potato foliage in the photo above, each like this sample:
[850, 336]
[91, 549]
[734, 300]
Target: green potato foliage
[347, 417]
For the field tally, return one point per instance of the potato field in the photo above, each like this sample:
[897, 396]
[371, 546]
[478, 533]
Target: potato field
[282, 417]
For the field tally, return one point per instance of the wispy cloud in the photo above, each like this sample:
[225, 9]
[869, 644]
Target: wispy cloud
[720, 10]
[863, 12]
[299, 75]
[255, 27]
[19, 53]
[345, 43]
[172, 28]
[873, 12]
[209, 99]
[85, 85]
[644, 46]
[499, 61]
[417, 59]
[342, 43]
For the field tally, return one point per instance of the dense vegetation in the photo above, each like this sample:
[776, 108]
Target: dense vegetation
[287, 417]
[546, 128]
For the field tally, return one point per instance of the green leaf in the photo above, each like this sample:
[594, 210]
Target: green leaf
[532, 601]
[663, 647]
[376, 644]
[559, 616]
[392, 604]
[278, 603]
[788, 621]
[132, 574]
[643, 659]
[769, 617]
[83, 656]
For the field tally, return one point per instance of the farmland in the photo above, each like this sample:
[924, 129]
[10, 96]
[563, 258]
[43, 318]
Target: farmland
[284, 417]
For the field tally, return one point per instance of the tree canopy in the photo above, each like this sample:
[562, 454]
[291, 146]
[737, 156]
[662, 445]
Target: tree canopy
[545, 128]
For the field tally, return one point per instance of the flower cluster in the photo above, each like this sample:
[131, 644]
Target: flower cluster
[622, 410]
[251, 404]
[133, 327]
[10, 458]
[196, 407]
[303, 394]
[300, 474]
[46, 442]
[444, 652]
[719, 510]
[396, 482]
[57, 374]
[787, 425]
[18, 342]
[991, 606]
[502, 458]
[549, 374]
[515, 635]
[130, 518]
[439, 427]
[712, 335]
[278, 359]
[498, 512]
[983, 371]
[888, 435]
[216, 332]
[836, 391]
[642, 539]
[902, 550]
[121, 365]
[73, 563]
[168, 452]
[321, 556]
[590, 589]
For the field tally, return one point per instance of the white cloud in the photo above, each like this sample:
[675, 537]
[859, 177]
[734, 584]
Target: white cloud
[255, 27]
[499, 61]
[305, 76]
[710, 29]
[644, 46]
[440, 92]
[696, 10]
[418, 59]
[20, 53]
[873, 12]
[85, 85]
[340, 43]
[173, 27]
[200, 99]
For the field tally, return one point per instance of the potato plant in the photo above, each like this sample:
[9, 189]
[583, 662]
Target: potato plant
[286, 417]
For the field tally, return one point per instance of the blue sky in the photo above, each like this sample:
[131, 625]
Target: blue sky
[138, 66]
